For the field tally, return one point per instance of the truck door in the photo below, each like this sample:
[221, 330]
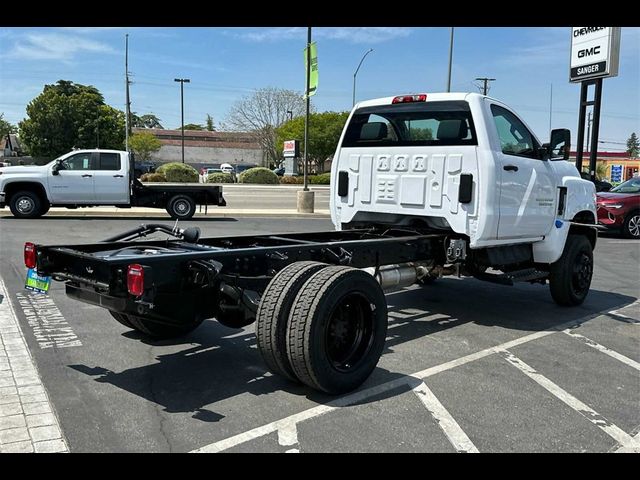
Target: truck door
[111, 178]
[74, 182]
[527, 192]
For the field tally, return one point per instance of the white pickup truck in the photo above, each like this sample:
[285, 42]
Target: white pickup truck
[422, 186]
[89, 178]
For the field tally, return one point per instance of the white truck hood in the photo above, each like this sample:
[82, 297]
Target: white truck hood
[23, 169]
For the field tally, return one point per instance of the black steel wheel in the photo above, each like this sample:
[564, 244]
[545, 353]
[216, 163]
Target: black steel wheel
[181, 207]
[273, 315]
[25, 204]
[337, 329]
[570, 277]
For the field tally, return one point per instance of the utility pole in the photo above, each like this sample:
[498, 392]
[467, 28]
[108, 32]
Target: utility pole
[485, 80]
[182, 82]
[127, 119]
[450, 59]
[550, 107]
[306, 121]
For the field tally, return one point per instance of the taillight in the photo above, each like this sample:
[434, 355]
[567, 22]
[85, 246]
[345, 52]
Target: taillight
[135, 280]
[30, 255]
[410, 98]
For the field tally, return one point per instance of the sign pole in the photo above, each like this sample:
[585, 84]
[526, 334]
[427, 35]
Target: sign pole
[583, 108]
[593, 150]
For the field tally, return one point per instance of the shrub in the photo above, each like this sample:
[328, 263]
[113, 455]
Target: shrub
[220, 178]
[153, 177]
[291, 180]
[178, 172]
[259, 175]
[322, 179]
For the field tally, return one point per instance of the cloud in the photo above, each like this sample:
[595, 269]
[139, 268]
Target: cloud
[54, 46]
[349, 34]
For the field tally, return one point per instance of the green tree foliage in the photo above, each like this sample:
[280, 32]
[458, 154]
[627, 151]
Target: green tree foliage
[322, 179]
[193, 126]
[6, 127]
[324, 132]
[145, 121]
[210, 126]
[259, 175]
[68, 115]
[179, 172]
[633, 146]
[144, 144]
[220, 178]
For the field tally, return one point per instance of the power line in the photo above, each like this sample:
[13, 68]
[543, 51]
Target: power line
[485, 87]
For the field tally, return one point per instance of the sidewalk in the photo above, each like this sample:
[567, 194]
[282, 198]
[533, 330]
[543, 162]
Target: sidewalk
[212, 212]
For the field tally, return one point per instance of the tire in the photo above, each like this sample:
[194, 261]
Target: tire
[25, 204]
[233, 319]
[337, 329]
[570, 277]
[45, 208]
[631, 226]
[181, 207]
[122, 319]
[152, 329]
[273, 315]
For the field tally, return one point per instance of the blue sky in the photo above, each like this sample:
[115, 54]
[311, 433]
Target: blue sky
[226, 63]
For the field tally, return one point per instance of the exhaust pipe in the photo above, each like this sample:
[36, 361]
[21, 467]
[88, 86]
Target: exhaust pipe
[395, 277]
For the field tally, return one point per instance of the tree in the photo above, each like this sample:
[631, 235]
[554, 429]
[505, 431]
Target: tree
[145, 121]
[633, 146]
[263, 112]
[210, 125]
[144, 144]
[6, 127]
[193, 126]
[67, 115]
[324, 133]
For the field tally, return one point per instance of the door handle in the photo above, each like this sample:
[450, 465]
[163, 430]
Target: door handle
[87, 175]
[118, 176]
[510, 168]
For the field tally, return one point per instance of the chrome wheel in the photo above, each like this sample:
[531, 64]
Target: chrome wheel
[25, 205]
[633, 225]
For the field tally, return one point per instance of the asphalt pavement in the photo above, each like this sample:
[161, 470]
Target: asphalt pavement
[468, 366]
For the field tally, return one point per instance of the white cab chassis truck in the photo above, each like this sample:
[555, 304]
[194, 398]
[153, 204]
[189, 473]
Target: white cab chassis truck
[422, 186]
[90, 178]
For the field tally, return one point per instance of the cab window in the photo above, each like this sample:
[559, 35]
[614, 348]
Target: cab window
[515, 138]
[79, 161]
[109, 161]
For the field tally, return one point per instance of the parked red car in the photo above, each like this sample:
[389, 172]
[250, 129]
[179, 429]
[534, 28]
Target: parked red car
[620, 208]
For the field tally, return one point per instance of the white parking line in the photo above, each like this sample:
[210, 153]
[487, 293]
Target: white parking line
[446, 422]
[27, 421]
[601, 348]
[615, 432]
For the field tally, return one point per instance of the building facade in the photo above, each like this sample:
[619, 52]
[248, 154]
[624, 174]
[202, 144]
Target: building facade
[207, 148]
[619, 166]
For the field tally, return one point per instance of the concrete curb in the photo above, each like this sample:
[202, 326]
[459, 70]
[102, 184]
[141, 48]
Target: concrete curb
[159, 213]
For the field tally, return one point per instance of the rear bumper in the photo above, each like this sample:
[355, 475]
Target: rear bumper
[92, 297]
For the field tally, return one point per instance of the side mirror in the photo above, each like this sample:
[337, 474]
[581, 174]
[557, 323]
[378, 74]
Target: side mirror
[560, 144]
[56, 168]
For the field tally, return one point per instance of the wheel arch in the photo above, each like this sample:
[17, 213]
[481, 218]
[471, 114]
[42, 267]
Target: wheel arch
[579, 226]
[36, 187]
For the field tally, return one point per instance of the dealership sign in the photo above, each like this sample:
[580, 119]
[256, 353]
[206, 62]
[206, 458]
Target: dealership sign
[594, 53]
[291, 149]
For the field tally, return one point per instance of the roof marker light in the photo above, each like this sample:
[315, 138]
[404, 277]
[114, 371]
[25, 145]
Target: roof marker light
[422, 97]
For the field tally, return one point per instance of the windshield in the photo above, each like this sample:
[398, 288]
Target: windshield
[630, 186]
[411, 124]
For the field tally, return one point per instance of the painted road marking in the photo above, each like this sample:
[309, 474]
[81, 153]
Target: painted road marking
[456, 436]
[411, 380]
[28, 414]
[49, 326]
[631, 449]
[615, 432]
[601, 348]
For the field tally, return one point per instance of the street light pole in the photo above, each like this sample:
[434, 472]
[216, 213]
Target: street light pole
[356, 73]
[290, 113]
[182, 82]
[450, 59]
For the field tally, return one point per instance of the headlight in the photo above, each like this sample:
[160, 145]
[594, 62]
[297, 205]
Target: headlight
[613, 205]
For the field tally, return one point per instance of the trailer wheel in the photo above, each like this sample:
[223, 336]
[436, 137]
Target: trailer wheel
[273, 315]
[337, 329]
[121, 318]
[570, 276]
[181, 207]
[25, 204]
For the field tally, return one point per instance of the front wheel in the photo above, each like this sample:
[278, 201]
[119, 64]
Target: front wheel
[25, 204]
[570, 277]
[181, 207]
[631, 227]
